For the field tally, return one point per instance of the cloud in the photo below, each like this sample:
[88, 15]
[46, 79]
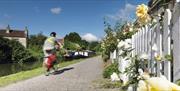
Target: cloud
[125, 14]
[56, 10]
[89, 37]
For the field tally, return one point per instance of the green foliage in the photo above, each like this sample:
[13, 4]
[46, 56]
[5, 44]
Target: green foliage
[60, 54]
[111, 40]
[13, 51]
[108, 71]
[20, 54]
[36, 51]
[35, 44]
[73, 41]
[105, 57]
[132, 70]
[178, 82]
[98, 48]
[122, 36]
[5, 51]
[73, 37]
[109, 43]
[121, 31]
[36, 40]
[93, 45]
[107, 83]
[84, 44]
[70, 45]
[168, 57]
[112, 85]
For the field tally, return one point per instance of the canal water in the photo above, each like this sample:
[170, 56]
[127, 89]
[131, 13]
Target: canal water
[11, 68]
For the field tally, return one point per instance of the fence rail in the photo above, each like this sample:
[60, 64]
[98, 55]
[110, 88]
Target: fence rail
[166, 37]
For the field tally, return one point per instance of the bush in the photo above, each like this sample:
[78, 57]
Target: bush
[105, 57]
[71, 45]
[5, 51]
[36, 51]
[13, 51]
[20, 54]
[36, 40]
[108, 71]
[60, 54]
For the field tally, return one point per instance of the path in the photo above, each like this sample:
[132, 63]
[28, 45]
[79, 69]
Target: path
[76, 77]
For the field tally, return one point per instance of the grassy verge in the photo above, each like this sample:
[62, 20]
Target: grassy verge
[31, 73]
[106, 84]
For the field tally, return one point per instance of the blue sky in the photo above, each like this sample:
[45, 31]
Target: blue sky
[64, 16]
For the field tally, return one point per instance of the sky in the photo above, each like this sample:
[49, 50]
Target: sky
[85, 17]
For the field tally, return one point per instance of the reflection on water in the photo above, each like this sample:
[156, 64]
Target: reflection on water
[10, 68]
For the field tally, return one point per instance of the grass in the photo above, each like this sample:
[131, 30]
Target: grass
[6, 80]
[107, 84]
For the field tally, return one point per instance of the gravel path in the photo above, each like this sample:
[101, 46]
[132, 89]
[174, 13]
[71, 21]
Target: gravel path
[76, 77]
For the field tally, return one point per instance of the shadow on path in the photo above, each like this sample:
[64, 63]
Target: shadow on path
[62, 70]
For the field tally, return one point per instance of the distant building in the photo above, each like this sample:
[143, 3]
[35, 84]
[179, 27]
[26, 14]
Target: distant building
[12, 34]
[61, 41]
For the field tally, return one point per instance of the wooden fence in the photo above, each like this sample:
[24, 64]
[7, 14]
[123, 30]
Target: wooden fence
[166, 37]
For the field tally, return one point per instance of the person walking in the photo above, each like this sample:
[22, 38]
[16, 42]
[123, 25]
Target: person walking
[50, 46]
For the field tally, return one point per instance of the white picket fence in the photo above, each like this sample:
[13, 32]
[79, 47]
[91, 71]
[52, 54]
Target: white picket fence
[167, 40]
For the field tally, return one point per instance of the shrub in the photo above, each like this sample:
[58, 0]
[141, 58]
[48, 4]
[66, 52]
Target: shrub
[108, 71]
[105, 57]
[13, 51]
[71, 45]
[5, 51]
[36, 40]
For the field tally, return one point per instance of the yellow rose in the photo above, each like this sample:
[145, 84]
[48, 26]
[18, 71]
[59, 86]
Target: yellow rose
[158, 58]
[145, 19]
[142, 14]
[141, 10]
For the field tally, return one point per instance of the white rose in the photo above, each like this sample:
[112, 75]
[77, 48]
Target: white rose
[155, 48]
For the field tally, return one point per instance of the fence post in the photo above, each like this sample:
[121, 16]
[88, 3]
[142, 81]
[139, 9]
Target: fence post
[139, 42]
[158, 42]
[133, 45]
[149, 42]
[167, 43]
[146, 39]
[135, 40]
[176, 42]
[153, 37]
[140, 39]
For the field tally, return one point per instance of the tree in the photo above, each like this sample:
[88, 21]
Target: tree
[93, 45]
[36, 40]
[73, 37]
[19, 53]
[109, 43]
[84, 44]
[71, 46]
[5, 51]
[35, 44]
[98, 48]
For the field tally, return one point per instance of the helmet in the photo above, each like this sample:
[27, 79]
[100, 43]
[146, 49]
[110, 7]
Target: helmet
[53, 34]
